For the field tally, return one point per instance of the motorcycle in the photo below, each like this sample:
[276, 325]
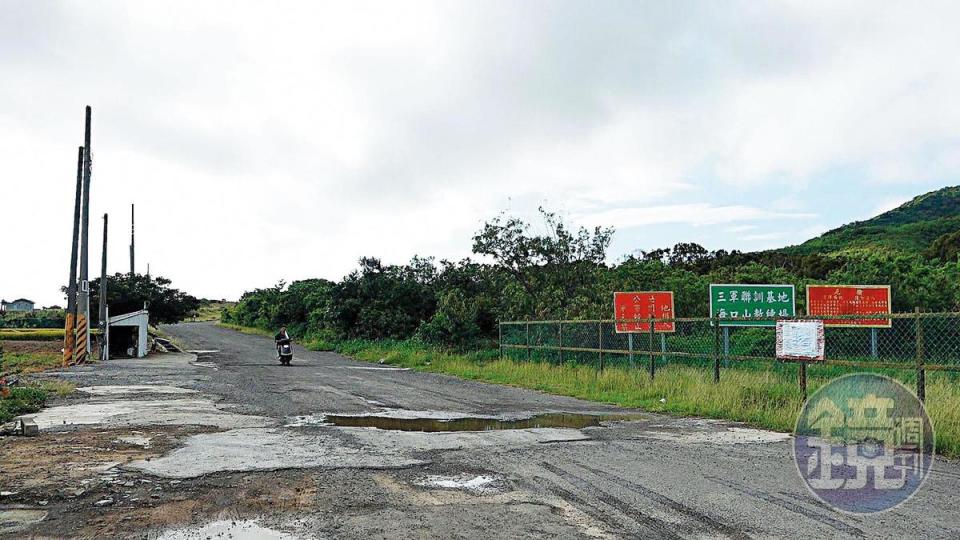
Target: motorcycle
[284, 351]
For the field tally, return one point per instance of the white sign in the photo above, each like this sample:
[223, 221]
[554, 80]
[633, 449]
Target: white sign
[800, 340]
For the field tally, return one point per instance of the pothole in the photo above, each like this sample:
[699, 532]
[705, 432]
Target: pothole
[433, 425]
[479, 484]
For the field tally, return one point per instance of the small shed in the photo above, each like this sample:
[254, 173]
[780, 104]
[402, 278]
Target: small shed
[127, 334]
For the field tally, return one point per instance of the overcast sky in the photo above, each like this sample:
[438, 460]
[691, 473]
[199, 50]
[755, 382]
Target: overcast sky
[265, 141]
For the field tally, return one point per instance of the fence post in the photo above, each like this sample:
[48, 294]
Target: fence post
[528, 341]
[600, 341]
[500, 338]
[726, 345]
[873, 343]
[803, 381]
[716, 350]
[653, 365]
[921, 374]
[630, 349]
[561, 343]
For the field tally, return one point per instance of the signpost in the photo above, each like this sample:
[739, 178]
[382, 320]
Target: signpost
[743, 305]
[801, 341]
[629, 307]
[826, 300]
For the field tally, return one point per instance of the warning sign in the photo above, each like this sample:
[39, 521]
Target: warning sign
[643, 305]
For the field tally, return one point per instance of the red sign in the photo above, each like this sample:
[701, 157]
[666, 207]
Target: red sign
[826, 300]
[643, 305]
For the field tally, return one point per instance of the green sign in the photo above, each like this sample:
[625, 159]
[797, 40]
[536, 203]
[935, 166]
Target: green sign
[742, 305]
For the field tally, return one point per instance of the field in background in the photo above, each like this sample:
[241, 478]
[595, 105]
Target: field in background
[210, 312]
[31, 334]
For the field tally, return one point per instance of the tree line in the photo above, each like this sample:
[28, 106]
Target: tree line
[563, 273]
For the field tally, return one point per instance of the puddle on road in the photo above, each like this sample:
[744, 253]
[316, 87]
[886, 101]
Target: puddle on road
[433, 425]
[235, 530]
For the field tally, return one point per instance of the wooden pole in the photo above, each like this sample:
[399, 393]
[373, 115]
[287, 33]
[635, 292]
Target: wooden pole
[83, 297]
[132, 243]
[70, 325]
[803, 381]
[102, 300]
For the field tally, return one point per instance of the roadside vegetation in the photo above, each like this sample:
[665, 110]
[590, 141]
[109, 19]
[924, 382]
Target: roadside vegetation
[21, 400]
[32, 362]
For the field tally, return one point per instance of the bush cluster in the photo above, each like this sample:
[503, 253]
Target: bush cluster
[561, 273]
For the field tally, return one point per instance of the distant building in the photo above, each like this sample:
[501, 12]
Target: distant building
[20, 304]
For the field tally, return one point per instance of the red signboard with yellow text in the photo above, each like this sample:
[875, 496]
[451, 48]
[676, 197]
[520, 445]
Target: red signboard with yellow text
[826, 300]
[643, 305]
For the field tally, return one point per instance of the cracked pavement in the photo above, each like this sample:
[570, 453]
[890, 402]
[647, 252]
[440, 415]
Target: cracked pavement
[182, 444]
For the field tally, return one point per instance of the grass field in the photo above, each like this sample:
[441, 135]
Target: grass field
[31, 334]
[211, 312]
[29, 362]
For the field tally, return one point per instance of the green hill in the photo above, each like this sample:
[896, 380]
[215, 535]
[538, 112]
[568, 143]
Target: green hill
[929, 223]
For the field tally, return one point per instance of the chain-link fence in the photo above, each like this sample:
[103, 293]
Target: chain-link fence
[918, 342]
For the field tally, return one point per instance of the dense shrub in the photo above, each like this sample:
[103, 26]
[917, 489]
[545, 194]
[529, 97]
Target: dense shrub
[563, 273]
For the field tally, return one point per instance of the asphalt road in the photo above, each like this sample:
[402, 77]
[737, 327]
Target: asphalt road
[632, 479]
[654, 477]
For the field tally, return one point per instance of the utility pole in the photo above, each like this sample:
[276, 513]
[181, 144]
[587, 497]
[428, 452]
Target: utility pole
[102, 313]
[83, 298]
[132, 267]
[70, 327]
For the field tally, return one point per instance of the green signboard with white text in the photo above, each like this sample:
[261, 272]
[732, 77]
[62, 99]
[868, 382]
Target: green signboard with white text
[742, 305]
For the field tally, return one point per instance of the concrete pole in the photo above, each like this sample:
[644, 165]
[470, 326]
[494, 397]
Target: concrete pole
[70, 326]
[132, 267]
[83, 298]
[102, 304]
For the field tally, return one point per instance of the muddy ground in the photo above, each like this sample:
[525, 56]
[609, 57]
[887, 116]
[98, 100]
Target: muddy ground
[226, 441]
[32, 346]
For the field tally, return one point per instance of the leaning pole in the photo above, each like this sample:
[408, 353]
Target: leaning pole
[70, 327]
[83, 297]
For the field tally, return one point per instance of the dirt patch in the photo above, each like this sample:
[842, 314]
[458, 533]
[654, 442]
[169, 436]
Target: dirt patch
[227, 497]
[74, 461]
[32, 346]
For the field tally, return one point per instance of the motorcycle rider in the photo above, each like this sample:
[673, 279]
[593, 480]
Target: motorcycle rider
[281, 338]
